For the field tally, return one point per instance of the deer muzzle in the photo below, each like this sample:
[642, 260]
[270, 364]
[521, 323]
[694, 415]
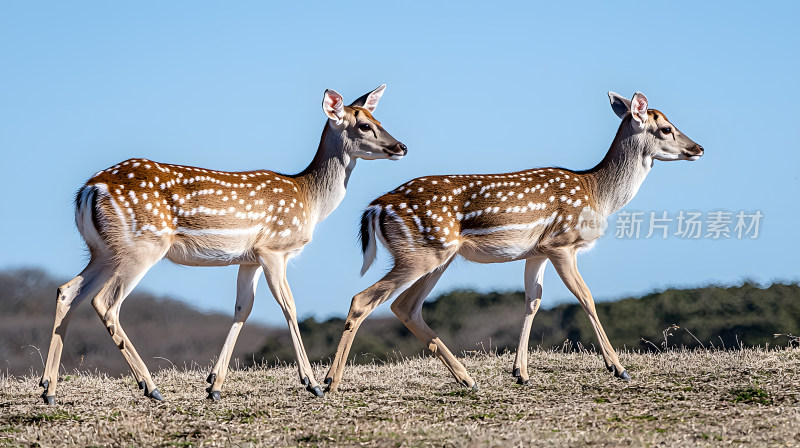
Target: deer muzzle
[397, 151]
[695, 152]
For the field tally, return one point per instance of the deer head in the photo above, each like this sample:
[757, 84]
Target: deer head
[363, 135]
[659, 138]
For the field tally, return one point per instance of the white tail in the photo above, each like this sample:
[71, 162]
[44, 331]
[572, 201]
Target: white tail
[369, 247]
[137, 212]
[537, 215]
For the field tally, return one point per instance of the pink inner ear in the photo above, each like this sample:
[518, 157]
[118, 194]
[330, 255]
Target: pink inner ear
[372, 102]
[334, 101]
[639, 104]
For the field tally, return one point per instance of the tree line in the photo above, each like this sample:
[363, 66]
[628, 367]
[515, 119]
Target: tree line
[169, 332]
[707, 317]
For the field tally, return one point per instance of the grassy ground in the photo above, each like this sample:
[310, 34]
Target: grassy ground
[700, 398]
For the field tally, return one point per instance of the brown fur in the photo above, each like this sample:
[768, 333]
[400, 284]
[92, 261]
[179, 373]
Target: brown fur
[138, 212]
[366, 112]
[164, 202]
[540, 215]
[449, 209]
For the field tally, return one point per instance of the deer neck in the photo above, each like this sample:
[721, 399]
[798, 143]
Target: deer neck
[325, 179]
[619, 175]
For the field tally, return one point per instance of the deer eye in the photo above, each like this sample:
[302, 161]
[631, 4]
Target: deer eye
[364, 127]
[666, 130]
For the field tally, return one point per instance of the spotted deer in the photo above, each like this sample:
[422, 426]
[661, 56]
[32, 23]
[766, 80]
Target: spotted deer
[534, 215]
[137, 212]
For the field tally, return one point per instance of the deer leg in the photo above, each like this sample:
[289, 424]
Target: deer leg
[408, 308]
[275, 271]
[534, 274]
[68, 297]
[245, 293]
[565, 262]
[107, 305]
[137, 376]
[391, 285]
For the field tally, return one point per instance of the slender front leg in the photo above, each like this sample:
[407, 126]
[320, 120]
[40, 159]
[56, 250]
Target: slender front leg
[275, 271]
[245, 293]
[534, 275]
[565, 262]
[391, 285]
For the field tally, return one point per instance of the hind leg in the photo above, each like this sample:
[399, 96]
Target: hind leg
[245, 293]
[136, 375]
[408, 308]
[68, 297]
[391, 285]
[107, 304]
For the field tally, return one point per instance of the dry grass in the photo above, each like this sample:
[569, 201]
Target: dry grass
[677, 398]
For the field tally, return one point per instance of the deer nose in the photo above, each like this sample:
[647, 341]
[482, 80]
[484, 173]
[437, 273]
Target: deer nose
[699, 149]
[400, 147]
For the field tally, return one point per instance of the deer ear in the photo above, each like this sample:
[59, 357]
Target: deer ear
[333, 105]
[370, 100]
[639, 108]
[619, 104]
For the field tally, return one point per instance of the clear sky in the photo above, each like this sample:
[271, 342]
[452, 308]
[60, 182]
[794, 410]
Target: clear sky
[472, 88]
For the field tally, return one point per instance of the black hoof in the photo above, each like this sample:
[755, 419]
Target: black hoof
[48, 399]
[622, 375]
[305, 381]
[213, 395]
[156, 395]
[522, 382]
[611, 368]
[473, 387]
[316, 391]
[515, 373]
[211, 378]
[141, 385]
[328, 381]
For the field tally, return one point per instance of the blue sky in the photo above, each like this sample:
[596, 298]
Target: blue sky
[480, 88]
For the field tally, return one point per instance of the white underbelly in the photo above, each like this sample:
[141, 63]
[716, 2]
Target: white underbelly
[487, 253]
[211, 251]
